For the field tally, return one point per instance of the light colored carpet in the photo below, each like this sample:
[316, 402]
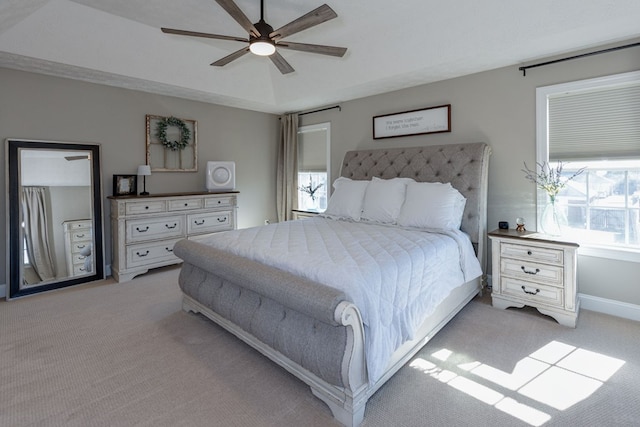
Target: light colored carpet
[109, 354]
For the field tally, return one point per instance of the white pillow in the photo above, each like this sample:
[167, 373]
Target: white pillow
[346, 200]
[432, 205]
[383, 199]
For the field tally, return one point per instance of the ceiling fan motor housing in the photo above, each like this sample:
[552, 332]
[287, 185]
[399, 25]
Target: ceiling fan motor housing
[264, 29]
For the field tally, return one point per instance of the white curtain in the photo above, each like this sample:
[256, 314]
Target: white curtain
[287, 172]
[36, 232]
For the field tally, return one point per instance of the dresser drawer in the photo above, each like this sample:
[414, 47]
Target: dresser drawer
[209, 222]
[78, 224]
[79, 269]
[533, 292]
[78, 259]
[145, 207]
[81, 235]
[151, 253]
[222, 201]
[78, 246]
[533, 253]
[527, 270]
[140, 230]
[185, 204]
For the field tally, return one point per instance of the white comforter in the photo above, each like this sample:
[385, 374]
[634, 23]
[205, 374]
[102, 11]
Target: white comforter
[396, 277]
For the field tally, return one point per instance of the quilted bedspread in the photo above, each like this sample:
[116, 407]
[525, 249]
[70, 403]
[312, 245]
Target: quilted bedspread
[396, 277]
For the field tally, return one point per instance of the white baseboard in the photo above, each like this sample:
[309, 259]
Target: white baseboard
[609, 306]
[603, 305]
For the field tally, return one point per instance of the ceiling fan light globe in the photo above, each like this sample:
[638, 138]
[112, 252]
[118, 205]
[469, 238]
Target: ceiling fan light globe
[262, 48]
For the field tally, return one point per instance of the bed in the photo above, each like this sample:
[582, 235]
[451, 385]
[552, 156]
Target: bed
[303, 313]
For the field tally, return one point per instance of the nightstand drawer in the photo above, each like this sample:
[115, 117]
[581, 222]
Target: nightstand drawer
[534, 292]
[533, 253]
[527, 270]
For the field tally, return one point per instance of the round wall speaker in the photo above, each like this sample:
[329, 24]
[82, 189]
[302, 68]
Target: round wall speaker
[221, 176]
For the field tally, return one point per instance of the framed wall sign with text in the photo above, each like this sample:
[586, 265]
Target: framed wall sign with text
[415, 122]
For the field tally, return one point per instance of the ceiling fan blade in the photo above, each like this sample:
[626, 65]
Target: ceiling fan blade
[314, 48]
[232, 57]
[281, 63]
[205, 35]
[237, 14]
[313, 18]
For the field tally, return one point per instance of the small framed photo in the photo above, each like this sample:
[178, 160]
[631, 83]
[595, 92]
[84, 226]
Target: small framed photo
[125, 185]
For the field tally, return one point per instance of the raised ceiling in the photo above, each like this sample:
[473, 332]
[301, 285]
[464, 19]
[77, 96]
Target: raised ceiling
[391, 45]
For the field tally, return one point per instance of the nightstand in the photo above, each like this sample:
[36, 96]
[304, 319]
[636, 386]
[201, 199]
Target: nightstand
[298, 214]
[536, 270]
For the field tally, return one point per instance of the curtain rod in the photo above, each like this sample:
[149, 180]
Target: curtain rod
[525, 68]
[320, 109]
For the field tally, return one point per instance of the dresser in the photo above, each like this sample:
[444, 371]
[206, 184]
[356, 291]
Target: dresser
[78, 238]
[145, 228]
[536, 270]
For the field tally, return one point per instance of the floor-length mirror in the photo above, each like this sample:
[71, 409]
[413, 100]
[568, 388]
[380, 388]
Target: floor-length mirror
[55, 236]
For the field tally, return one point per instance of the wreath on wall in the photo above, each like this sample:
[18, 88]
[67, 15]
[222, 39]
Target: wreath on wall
[161, 133]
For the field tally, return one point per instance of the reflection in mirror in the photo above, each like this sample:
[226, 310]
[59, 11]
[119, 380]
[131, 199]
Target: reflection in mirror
[55, 215]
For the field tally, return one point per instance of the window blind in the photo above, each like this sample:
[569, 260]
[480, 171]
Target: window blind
[595, 125]
[312, 151]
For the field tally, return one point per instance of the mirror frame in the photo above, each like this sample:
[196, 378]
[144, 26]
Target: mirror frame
[14, 236]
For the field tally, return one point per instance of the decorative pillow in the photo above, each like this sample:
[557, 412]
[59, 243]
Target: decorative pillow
[383, 199]
[432, 205]
[346, 200]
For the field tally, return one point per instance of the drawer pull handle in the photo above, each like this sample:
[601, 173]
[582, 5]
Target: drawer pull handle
[142, 255]
[142, 231]
[186, 204]
[222, 219]
[168, 249]
[146, 207]
[198, 223]
[530, 292]
[529, 253]
[530, 272]
[81, 246]
[219, 201]
[81, 257]
[171, 227]
[80, 236]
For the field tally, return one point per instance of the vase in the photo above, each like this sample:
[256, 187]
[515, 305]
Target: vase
[553, 219]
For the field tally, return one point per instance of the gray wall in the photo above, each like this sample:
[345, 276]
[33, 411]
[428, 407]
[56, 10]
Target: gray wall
[497, 107]
[34, 106]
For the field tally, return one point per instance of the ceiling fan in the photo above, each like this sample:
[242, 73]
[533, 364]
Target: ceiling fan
[264, 40]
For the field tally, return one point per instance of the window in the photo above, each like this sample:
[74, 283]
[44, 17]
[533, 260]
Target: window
[313, 167]
[595, 124]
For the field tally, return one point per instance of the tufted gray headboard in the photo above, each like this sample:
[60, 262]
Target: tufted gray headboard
[465, 166]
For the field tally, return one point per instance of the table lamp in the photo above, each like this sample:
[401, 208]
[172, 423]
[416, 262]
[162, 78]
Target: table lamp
[144, 170]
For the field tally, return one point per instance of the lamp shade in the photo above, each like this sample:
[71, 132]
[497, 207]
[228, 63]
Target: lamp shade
[144, 170]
